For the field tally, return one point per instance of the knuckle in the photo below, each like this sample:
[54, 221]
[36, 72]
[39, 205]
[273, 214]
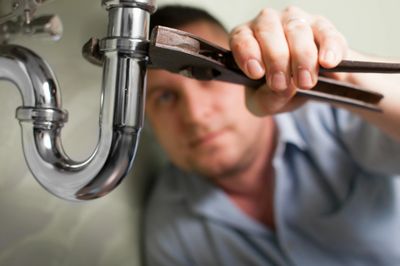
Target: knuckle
[308, 54]
[266, 12]
[264, 32]
[234, 38]
[291, 9]
[267, 25]
[305, 57]
[332, 37]
[279, 59]
[295, 25]
[239, 30]
[239, 47]
[321, 19]
[238, 40]
[234, 31]
[321, 26]
[238, 43]
[242, 51]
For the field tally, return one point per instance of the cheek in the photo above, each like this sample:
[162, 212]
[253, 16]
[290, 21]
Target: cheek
[232, 96]
[234, 106]
[167, 131]
[172, 142]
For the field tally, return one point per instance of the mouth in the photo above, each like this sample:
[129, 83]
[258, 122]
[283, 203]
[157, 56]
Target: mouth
[206, 139]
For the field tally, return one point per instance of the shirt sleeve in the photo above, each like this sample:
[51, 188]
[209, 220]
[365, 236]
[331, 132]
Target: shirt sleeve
[162, 243]
[162, 249]
[372, 149]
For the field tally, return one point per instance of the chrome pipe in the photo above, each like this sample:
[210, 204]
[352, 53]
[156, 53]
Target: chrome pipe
[121, 116]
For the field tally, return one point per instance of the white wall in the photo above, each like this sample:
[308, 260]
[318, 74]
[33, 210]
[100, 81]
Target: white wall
[38, 229]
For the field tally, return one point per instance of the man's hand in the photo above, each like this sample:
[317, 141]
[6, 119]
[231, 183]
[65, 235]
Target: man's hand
[287, 47]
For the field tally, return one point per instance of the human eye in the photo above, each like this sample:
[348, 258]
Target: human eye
[165, 97]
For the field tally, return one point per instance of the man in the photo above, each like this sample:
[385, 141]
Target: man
[313, 186]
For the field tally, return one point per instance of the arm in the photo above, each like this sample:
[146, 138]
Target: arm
[288, 47]
[387, 84]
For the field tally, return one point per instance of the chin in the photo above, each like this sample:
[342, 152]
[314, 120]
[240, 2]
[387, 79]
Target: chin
[216, 167]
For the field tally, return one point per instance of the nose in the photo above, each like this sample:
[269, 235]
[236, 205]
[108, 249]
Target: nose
[196, 105]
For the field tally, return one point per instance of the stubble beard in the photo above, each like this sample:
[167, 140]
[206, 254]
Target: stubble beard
[233, 168]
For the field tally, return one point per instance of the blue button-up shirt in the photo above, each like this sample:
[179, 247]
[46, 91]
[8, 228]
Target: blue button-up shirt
[337, 202]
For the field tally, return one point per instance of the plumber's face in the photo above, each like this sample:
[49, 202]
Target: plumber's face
[203, 126]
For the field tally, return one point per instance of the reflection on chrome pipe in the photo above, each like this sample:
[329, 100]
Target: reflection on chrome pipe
[121, 116]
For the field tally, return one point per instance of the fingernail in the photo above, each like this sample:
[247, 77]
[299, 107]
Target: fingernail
[278, 81]
[254, 68]
[304, 78]
[330, 57]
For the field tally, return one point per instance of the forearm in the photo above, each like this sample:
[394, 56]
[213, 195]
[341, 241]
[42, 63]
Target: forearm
[388, 85]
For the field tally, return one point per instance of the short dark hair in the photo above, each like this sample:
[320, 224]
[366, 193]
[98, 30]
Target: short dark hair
[175, 16]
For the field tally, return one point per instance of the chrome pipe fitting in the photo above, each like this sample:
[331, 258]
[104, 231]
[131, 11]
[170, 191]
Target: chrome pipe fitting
[121, 116]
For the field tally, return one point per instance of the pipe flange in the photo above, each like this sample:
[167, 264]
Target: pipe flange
[41, 114]
[129, 45]
[148, 5]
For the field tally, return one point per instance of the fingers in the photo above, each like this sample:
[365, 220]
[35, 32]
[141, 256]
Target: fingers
[263, 40]
[246, 51]
[303, 49]
[287, 47]
[268, 31]
[332, 45]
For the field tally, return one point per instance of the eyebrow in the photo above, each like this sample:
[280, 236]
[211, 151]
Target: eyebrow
[153, 89]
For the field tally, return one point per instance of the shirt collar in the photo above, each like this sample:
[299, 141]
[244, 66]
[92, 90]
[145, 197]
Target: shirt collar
[289, 131]
[206, 200]
[209, 201]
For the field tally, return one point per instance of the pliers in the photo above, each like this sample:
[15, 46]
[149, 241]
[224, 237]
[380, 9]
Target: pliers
[184, 53]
